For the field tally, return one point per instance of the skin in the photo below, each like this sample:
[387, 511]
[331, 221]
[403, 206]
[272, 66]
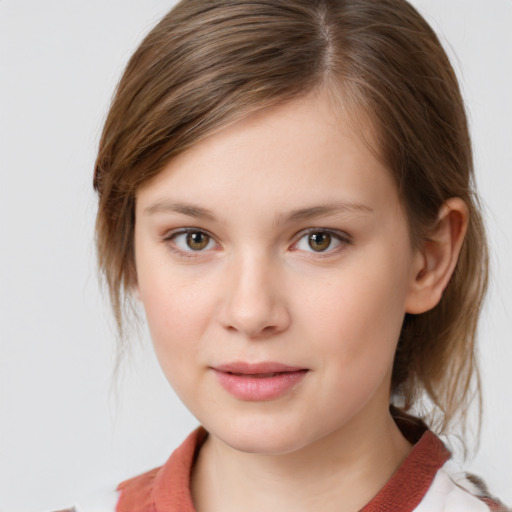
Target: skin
[258, 292]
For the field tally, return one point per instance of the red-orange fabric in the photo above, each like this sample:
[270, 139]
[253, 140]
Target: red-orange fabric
[410, 483]
[137, 493]
[167, 489]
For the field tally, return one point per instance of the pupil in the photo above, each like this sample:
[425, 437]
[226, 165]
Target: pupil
[197, 241]
[319, 241]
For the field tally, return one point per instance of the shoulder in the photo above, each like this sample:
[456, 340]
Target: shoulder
[135, 494]
[453, 490]
[103, 501]
[166, 487]
[136, 491]
[163, 488]
[429, 481]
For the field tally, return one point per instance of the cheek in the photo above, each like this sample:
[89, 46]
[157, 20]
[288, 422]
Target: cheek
[175, 323]
[171, 311]
[356, 317]
[176, 309]
[171, 295]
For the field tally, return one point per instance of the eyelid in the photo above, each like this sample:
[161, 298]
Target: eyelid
[169, 236]
[343, 237]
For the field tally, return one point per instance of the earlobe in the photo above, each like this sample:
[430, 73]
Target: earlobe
[436, 258]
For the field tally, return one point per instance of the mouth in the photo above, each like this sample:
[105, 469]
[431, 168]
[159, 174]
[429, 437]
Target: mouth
[256, 375]
[259, 382]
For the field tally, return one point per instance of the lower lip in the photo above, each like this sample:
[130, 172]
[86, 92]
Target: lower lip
[250, 388]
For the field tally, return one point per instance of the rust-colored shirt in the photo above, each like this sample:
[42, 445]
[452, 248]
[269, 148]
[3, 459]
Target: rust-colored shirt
[425, 482]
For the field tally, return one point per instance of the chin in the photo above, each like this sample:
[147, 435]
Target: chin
[257, 445]
[269, 437]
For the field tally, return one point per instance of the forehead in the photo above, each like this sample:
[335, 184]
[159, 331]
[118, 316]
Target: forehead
[296, 152]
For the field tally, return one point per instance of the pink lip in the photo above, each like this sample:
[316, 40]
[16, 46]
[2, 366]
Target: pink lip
[258, 382]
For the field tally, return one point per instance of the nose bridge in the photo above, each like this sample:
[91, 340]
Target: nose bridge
[254, 304]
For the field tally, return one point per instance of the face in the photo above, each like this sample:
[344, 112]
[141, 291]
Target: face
[275, 267]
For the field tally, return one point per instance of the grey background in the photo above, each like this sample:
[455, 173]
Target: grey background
[65, 430]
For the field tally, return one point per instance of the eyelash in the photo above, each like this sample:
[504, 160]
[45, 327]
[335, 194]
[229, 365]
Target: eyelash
[340, 237]
[170, 238]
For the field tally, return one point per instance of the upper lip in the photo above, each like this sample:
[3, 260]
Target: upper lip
[245, 368]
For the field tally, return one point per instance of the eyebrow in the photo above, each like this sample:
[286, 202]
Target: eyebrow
[183, 208]
[323, 210]
[300, 214]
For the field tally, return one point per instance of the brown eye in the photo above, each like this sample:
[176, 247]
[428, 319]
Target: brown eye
[197, 241]
[324, 242]
[189, 241]
[319, 241]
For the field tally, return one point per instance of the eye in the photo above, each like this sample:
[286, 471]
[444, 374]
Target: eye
[192, 241]
[320, 241]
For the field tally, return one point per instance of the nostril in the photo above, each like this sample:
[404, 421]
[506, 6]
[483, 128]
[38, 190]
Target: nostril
[252, 304]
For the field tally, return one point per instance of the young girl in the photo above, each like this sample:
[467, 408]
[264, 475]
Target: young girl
[287, 188]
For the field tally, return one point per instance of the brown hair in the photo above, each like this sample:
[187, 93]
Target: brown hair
[210, 62]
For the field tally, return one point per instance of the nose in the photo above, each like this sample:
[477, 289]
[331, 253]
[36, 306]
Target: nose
[254, 303]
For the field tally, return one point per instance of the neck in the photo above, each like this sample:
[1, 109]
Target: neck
[341, 472]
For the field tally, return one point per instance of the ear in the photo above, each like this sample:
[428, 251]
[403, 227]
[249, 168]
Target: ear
[437, 256]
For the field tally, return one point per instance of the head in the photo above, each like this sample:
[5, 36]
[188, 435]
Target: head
[210, 64]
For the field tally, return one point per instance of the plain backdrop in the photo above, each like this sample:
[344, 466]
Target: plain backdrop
[65, 430]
